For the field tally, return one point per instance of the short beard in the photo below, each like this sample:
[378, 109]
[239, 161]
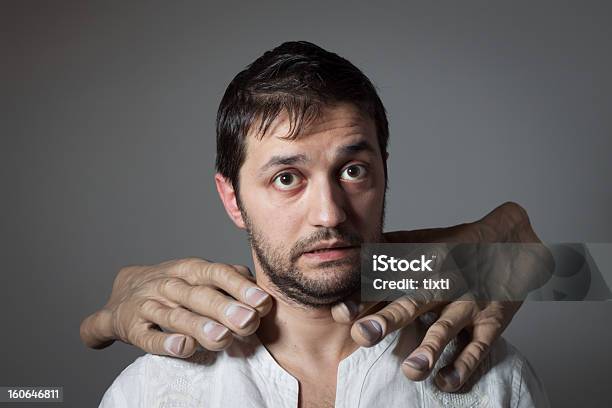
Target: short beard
[292, 283]
[281, 267]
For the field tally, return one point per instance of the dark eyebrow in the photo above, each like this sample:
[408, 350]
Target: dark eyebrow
[347, 150]
[283, 161]
[360, 146]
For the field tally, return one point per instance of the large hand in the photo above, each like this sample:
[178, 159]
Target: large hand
[484, 321]
[181, 296]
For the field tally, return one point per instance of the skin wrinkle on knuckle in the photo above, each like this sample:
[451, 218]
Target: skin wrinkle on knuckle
[444, 326]
[173, 288]
[218, 274]
[150, 341]
[437, 341]
[403, 309]
[228, 278]
[472, 356]
[193, 295]
[466, 364]
[430, 348]
[469, 362]
[481, 347]
[175, 316]
[438, 336]
[186, 266]
[148, 307]
[140, 338]
[204, 299]
[392, 315]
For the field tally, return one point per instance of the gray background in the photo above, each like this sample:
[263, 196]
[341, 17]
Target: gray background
[108, 147]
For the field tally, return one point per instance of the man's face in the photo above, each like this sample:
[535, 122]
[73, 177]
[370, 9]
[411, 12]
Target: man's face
[309, 203]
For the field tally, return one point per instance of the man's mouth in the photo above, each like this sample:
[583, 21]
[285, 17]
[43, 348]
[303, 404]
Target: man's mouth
[330, 251]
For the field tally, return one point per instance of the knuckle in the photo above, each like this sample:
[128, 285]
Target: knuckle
[435, 340]
[470, 360]
[187, 265]
[148, 307]
[392, 313]
[481, 348]
[141, 339]
[216, 271]
[189, 261]
[407, 306]
[175, 316]
[191, 295]
[199, 297]
[168, 285]
[442, 327]
[474, 354]
[219, 273]
[150, 342]
[218, 304]
[430, 348]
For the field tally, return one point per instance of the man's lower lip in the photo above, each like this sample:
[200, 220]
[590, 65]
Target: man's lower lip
[330, 254]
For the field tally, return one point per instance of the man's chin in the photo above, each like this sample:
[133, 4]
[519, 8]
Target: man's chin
[323, 287]
[318, 299]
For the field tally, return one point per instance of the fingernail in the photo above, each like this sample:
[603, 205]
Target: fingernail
[352, 308]
[371, 330]
[175, 345]
[450, 377]
[240, 316]
[256, 296]
[214, 331]
[418, 362]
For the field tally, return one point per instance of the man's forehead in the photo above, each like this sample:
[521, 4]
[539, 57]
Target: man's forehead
[335, 126]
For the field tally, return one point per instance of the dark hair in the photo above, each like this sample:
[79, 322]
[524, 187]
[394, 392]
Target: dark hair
[298, 78]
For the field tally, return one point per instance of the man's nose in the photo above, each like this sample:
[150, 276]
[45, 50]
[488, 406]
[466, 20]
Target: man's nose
[327, 205]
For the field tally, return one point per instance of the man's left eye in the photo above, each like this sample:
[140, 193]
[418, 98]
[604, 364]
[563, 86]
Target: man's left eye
[354, 172]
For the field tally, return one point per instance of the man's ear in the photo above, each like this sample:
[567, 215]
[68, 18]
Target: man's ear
[228, 197]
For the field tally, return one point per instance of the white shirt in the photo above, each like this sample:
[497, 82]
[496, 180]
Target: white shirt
[246, 375]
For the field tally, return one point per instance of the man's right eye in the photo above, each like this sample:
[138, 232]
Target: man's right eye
[287, 181]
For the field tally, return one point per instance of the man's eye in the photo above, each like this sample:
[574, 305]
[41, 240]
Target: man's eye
[287, 181]
[354, 172]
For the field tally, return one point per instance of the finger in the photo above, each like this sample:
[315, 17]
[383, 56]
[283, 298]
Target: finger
[370, 329]
[349, 310]
[230, 279]
[452, 320]
[254, 294]
[206, 301]
[352, 308]
[244, 271]
[154, 341]
[209, 333]
[452, 377]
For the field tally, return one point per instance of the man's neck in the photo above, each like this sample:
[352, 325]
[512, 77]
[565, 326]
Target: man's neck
[301, 335]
